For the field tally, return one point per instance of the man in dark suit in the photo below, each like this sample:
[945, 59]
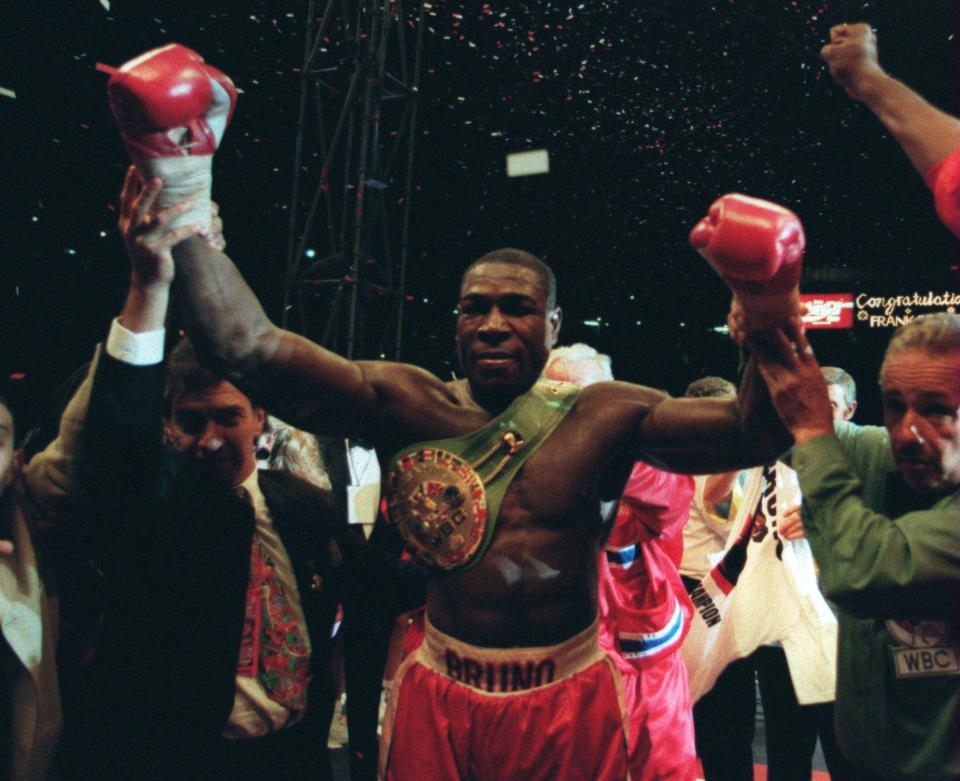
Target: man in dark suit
[221, 581]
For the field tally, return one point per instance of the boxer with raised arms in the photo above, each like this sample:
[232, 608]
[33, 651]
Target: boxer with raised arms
[498, 477]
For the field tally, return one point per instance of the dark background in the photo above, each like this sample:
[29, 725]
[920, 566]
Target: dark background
[649, 109]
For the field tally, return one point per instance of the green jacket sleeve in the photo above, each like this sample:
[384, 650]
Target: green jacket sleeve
[872, 565]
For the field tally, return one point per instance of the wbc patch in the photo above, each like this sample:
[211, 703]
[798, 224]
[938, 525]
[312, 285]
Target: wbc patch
[925, 649]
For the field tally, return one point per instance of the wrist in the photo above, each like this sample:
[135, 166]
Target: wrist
[149, 286]
[870, 86]
[137, 348]
[145, 308]
[769, 307]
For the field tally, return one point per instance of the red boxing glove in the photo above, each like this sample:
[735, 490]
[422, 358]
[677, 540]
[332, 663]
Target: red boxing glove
[757, 247]
[944, 180]
[172, 109]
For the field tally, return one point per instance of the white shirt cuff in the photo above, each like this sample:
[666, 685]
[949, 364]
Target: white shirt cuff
[137, 349]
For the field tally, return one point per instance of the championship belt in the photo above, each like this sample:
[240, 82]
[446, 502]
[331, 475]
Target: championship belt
[444, 495]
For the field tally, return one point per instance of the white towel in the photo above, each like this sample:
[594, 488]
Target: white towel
[763, 590]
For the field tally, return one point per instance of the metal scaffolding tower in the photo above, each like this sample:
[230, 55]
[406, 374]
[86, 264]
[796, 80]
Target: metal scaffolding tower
[347, 248]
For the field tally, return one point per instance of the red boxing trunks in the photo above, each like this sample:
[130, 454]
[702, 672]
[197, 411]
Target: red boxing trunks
[457, 712]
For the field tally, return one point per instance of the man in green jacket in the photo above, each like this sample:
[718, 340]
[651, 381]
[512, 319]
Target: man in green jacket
[881, 509]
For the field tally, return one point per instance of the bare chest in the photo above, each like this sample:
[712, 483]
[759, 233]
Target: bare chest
[561, 481]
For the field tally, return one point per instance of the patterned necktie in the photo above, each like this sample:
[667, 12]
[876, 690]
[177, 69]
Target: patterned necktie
[272, 646]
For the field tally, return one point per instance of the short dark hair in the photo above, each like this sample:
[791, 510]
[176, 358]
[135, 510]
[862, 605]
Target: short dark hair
[519, 257]
[185, 374]
[834, 375]
[710, 387]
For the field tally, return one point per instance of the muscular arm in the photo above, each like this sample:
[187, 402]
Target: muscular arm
[700, 436]
[306, 385]
[760, 424]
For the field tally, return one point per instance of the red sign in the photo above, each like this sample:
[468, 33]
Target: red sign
[828, 310]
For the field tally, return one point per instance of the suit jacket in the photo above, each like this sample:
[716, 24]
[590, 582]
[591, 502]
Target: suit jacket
[175, 551]
[28, 623]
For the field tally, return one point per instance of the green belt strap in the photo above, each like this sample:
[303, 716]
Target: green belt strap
[535, 415]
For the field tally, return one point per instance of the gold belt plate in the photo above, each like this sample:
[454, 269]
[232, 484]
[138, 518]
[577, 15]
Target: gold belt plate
[439, 505]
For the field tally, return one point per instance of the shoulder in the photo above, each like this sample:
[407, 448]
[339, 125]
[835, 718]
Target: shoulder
[854, 433]
[415, 405]
[393, 381]
[865, 446]
[623, 396]
[615, 410]
[616, 390]
[600, 425]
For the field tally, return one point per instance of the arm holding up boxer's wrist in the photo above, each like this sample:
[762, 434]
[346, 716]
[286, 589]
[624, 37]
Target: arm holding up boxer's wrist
[796, 385]
[149, 234]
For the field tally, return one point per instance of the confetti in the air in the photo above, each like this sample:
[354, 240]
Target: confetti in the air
[649, 111]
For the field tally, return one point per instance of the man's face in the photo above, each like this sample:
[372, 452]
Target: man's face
[6, 448]
[838, 401]
[217, 427]
[921, 410]
[504, 330]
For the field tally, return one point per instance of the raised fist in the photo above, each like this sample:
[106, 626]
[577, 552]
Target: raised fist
[851, 57]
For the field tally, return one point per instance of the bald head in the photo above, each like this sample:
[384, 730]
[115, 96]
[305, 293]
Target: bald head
[578, 363]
